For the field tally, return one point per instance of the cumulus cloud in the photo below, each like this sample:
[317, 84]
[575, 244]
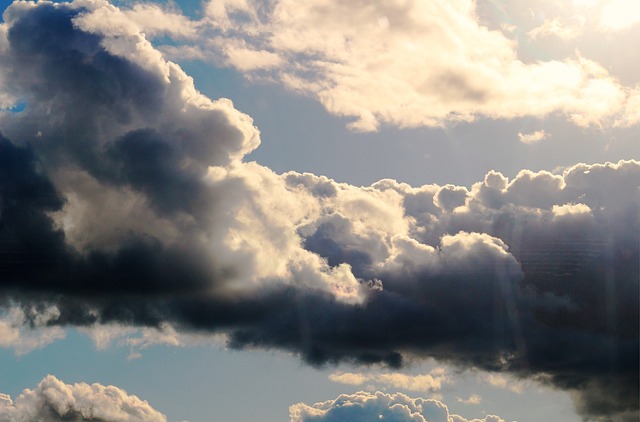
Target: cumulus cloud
[52, 400]
[125, 200]
[377, 406]
[432, 63]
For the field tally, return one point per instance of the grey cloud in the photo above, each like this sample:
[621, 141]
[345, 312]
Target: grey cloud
[53, 401]
[123, 199]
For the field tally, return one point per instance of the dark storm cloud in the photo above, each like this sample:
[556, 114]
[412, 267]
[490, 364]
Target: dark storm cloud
[123, 198]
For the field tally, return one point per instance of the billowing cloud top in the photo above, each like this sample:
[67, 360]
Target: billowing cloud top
[124, 199]
[421, 63]
[366, 407]
[52, 401]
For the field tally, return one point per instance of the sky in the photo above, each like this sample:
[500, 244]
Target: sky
[320, 211]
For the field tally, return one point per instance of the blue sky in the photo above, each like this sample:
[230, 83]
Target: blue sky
[428, 200]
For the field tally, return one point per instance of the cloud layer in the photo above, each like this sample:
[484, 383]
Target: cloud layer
[124, 199]
[52, 400]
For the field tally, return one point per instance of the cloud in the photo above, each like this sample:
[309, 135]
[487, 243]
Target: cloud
[125, 201]
[16, 334]
[575, 19]
[553, 27]
[377, 406]
[504, 382]
[619, 15]
[473, 399]
[533, 137]
[432, 63]
[138, 339]
[52, 400]
[431, 382]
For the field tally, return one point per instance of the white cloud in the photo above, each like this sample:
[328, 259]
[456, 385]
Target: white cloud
[418, 64]
[472, 399]
[431, 382]
[570, 209]
[505, 382]
[430, 63]
[554, 27]
[533, 137]
[363, 406]
[53, 401]
[570, 20]
[139, 339]
[154, 21]
[619, 14]
[26, 330]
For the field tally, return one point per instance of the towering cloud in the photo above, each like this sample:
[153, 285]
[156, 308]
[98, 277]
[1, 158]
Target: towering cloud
[124, 198]
[52, 400]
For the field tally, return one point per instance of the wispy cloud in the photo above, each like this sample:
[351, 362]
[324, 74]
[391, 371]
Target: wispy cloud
[26, 329]
[472, 399]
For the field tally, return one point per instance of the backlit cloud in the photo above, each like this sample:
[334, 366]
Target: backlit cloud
[431, 382]
[54, 401]
[431, 63]
[364, 406]
[533, 137]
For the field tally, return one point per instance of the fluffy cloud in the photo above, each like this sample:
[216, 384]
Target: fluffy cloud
[432, 63]
[52, 400]
[125, 200]
[377, 406]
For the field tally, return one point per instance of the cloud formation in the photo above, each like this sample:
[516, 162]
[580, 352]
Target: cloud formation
[53, 401]
[378, 406]
[16, 334]
[432, 63]
[125, 200]
[431, 382]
